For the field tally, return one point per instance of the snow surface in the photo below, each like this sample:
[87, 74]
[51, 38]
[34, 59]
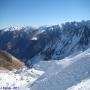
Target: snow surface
[70, 73]
[34, 38]
[65, 73]
[18, 79]
[83, 85]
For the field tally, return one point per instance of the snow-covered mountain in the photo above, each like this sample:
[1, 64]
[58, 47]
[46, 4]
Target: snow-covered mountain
[49, 42]
[58, 57]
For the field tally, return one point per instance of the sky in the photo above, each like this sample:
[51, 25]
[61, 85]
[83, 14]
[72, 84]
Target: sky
[42, 12]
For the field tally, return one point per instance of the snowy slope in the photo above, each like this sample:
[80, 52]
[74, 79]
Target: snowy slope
[19, 79]
[83, 85]
[63, 74]
[52, 42]
[70, 73]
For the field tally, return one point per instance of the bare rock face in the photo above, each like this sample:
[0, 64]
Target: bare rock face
[9, 62]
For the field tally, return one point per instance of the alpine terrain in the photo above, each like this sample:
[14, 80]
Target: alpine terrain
[49, 57]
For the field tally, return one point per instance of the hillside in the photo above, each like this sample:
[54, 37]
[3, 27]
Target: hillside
[9, 62]
[58, 57]
[70, 73]
[49, 42]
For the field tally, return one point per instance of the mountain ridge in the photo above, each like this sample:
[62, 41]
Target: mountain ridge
[51, 42]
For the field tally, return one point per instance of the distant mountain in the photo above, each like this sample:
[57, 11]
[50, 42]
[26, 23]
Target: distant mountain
[9, 62]
[47, 42]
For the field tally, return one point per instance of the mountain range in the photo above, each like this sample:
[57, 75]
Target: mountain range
[46, 42]
[49, 57]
